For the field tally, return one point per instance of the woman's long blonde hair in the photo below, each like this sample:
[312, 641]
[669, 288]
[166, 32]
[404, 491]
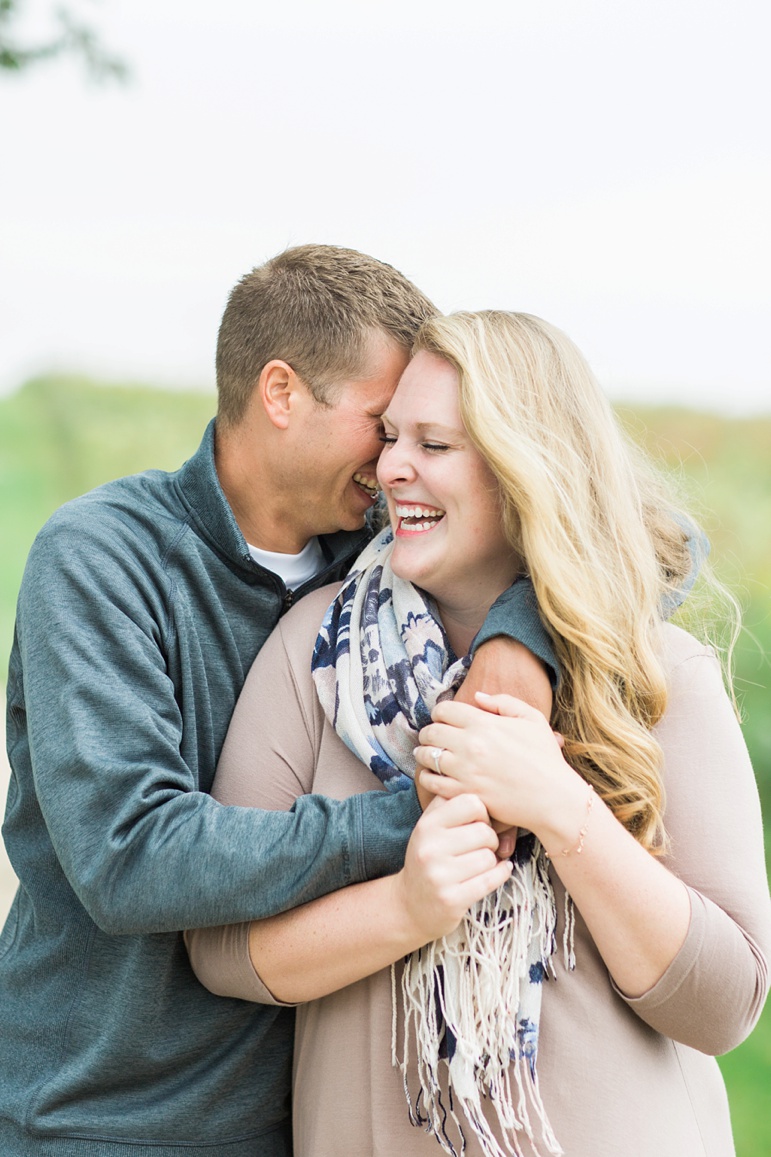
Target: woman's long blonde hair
[599, 533]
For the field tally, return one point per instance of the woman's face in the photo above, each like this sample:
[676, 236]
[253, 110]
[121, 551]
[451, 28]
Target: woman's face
[442, 497]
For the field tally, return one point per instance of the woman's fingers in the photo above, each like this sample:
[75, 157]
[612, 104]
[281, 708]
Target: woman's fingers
[424, 793]
[452, 721]
[431, 757]
[441, 785]
[463, 714]
[507, 705]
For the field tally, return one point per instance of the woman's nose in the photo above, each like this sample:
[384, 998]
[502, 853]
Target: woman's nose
[395, 465]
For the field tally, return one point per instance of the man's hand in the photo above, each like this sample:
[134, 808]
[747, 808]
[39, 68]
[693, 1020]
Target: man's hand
[450, 864]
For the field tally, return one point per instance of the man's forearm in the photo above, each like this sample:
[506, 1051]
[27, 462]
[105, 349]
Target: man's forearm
[503, 665]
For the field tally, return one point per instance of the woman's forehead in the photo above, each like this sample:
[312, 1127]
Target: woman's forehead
[427, 393]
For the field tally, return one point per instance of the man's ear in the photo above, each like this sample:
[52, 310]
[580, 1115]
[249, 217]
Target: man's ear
[277, 387]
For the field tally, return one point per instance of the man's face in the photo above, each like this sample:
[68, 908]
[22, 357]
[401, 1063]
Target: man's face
[338, 445]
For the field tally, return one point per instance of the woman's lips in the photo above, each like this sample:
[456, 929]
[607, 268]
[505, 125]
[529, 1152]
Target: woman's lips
[416, 519]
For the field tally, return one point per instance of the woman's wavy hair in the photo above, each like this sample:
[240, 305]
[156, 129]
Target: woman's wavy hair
[599, 532]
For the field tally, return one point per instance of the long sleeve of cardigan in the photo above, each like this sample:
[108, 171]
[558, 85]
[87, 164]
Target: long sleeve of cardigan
[713, 992]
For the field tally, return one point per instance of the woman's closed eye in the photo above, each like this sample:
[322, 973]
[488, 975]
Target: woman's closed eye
[432, 447]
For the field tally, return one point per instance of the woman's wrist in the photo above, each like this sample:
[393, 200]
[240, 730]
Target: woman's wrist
[569, 823]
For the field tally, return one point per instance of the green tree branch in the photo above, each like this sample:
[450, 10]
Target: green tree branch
[68, 36]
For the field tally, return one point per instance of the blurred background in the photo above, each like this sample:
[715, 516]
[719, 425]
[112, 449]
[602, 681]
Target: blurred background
[605, 166]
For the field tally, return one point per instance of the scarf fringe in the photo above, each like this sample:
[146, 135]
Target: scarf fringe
[469, 995]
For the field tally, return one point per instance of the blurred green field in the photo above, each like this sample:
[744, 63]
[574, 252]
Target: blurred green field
[61, 436]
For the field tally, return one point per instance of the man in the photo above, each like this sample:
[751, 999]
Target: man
[142, 607]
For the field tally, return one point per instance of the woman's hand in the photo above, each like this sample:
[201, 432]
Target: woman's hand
[505, 752]
[449, 865]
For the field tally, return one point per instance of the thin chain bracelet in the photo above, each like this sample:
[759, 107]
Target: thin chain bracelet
[579, 846]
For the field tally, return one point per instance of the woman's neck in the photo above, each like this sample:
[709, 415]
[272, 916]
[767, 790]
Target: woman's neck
[463, 611]
[461, 625]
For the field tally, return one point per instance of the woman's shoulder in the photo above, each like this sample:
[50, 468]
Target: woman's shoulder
[307, 613]
[296, 633]
[678, 646]
[282, 666]
[693, 671]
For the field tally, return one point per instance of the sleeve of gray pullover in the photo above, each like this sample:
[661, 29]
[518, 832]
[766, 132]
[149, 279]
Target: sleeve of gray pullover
[106, 771]
[515, 613]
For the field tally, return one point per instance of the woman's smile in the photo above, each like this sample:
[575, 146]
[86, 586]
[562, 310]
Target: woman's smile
[443, 499]
[415, 519]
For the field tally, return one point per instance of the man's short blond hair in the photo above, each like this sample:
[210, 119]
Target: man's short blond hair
[317, 308]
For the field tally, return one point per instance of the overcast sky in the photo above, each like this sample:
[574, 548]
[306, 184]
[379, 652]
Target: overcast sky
[605, 165]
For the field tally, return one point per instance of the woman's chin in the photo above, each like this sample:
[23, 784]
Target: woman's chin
[418, 576]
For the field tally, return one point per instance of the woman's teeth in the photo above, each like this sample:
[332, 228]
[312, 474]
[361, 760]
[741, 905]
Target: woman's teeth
[368, 484]
[418, 517]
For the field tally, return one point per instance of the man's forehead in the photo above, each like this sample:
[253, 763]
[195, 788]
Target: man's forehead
[373, 386]
[367, 396]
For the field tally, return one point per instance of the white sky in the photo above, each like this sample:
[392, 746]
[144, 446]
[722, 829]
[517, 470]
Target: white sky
[606, 165]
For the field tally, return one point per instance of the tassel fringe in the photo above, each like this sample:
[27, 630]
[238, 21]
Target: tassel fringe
[472, 1001]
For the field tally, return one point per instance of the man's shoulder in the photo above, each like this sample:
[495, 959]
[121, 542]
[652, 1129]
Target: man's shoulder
[121, 527]
[131, 503]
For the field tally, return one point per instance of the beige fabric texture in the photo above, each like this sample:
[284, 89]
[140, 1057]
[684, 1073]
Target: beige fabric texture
[617, 1076]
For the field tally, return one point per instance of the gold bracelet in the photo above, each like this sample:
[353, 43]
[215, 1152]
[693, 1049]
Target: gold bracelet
[579, 846]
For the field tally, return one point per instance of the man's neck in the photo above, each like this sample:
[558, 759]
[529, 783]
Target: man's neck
[266, 517]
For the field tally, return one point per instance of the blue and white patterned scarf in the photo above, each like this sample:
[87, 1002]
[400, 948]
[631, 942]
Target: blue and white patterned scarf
[381, 664]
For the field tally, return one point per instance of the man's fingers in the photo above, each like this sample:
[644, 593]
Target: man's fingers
[457, 841]
[485, 883]
[507, 841]
[459, 808]
[469, 866]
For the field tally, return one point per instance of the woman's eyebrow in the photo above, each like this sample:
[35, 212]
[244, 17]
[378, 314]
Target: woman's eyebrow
[424, 427]
[438, 427]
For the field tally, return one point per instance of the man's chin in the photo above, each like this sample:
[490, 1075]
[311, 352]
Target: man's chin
[348, 521]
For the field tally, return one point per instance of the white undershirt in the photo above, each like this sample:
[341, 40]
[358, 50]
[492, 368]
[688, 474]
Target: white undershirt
[294, 569]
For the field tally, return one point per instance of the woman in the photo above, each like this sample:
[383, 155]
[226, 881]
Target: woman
[501, 457]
